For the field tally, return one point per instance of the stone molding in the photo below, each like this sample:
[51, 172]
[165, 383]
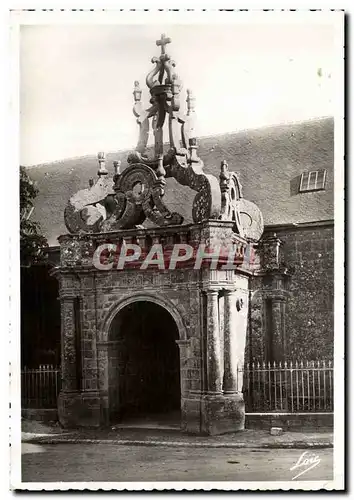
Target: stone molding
[183, 343]
[104, 345]
[144, 297]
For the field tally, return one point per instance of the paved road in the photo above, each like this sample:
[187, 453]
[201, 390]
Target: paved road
[100, 462]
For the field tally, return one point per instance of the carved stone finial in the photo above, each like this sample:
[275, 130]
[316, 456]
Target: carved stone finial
[102, 164]
[163, 42]
[193, 146]
[192, 141]
[224, 177]
[190, 101]
[137, 92]
[224, 167]
[116, 165]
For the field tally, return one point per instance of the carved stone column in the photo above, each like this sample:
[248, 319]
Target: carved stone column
[242, 305]
[68, 348]
[275, 326]
[275, 283]
[230, 343]
[213, 343]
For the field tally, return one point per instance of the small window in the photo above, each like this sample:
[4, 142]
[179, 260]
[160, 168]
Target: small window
[313, 181]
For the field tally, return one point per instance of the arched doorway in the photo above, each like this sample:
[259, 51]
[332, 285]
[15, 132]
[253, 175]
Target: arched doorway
[143, 363]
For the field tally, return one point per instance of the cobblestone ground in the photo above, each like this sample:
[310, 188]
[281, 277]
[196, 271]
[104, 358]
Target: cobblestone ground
[107, 462]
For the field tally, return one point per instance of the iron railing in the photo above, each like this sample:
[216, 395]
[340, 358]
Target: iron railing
[40, 387]
[294, 387]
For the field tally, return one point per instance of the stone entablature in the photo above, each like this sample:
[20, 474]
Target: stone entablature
[79, 249]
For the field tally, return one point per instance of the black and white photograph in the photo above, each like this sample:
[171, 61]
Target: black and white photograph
[180, 250]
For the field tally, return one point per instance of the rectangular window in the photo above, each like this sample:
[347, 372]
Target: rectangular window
[313, 181]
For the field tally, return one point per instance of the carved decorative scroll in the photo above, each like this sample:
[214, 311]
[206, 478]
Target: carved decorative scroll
[139, 186]
[207, 202]
[87, 209]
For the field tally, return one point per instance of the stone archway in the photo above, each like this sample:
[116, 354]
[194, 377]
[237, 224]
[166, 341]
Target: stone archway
[143, 362]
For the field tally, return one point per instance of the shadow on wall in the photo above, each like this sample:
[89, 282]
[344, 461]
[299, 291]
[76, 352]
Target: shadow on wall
[295, 185]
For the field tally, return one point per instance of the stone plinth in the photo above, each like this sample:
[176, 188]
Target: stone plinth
[213, 414]
[79, 409]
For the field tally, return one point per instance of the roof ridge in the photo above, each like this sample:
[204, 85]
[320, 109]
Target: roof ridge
[209, 136]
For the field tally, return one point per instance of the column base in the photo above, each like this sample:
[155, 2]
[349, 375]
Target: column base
[212, 414]
[79, 409]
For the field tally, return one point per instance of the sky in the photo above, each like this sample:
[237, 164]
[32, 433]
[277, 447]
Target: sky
[76, 80]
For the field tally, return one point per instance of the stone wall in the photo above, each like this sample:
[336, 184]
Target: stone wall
[309, 253]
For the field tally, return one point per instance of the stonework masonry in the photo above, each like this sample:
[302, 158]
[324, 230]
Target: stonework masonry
[211, 395]
[202, 303]
[308, 251]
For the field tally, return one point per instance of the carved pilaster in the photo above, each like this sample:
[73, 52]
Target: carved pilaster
[230, 343]
[213, 343]
[184, 346]
[275, 283]
[68, 353]
[275, 328]
[242, 305]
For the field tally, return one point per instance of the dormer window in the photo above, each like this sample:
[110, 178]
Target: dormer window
[312, 181]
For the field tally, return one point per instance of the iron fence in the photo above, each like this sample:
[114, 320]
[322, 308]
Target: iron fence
[40, 387]
[294, 387]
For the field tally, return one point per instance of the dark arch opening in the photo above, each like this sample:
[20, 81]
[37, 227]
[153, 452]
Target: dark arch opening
[143, 360]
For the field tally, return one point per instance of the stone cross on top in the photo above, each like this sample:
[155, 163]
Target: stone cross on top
[163, 42]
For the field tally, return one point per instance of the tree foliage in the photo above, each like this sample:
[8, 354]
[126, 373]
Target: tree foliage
[32, 241]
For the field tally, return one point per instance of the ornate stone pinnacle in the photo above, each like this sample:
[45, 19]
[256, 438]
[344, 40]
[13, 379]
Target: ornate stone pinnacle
[163, 42]
[224, 169]
[165, 90]
[102, 164]
[137, 92]
[190, 101]
[116, 165]
[164, 66]
[224, 176]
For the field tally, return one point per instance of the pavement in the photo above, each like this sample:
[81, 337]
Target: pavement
[131, 467]
[37, 432]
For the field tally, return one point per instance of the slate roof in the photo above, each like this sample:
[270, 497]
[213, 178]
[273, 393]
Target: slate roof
[269, 162]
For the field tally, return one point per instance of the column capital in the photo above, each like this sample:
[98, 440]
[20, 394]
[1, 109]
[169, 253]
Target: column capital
[106, 344]
[68, 296]
[183, 343]
[211, 291]
[276, 295]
